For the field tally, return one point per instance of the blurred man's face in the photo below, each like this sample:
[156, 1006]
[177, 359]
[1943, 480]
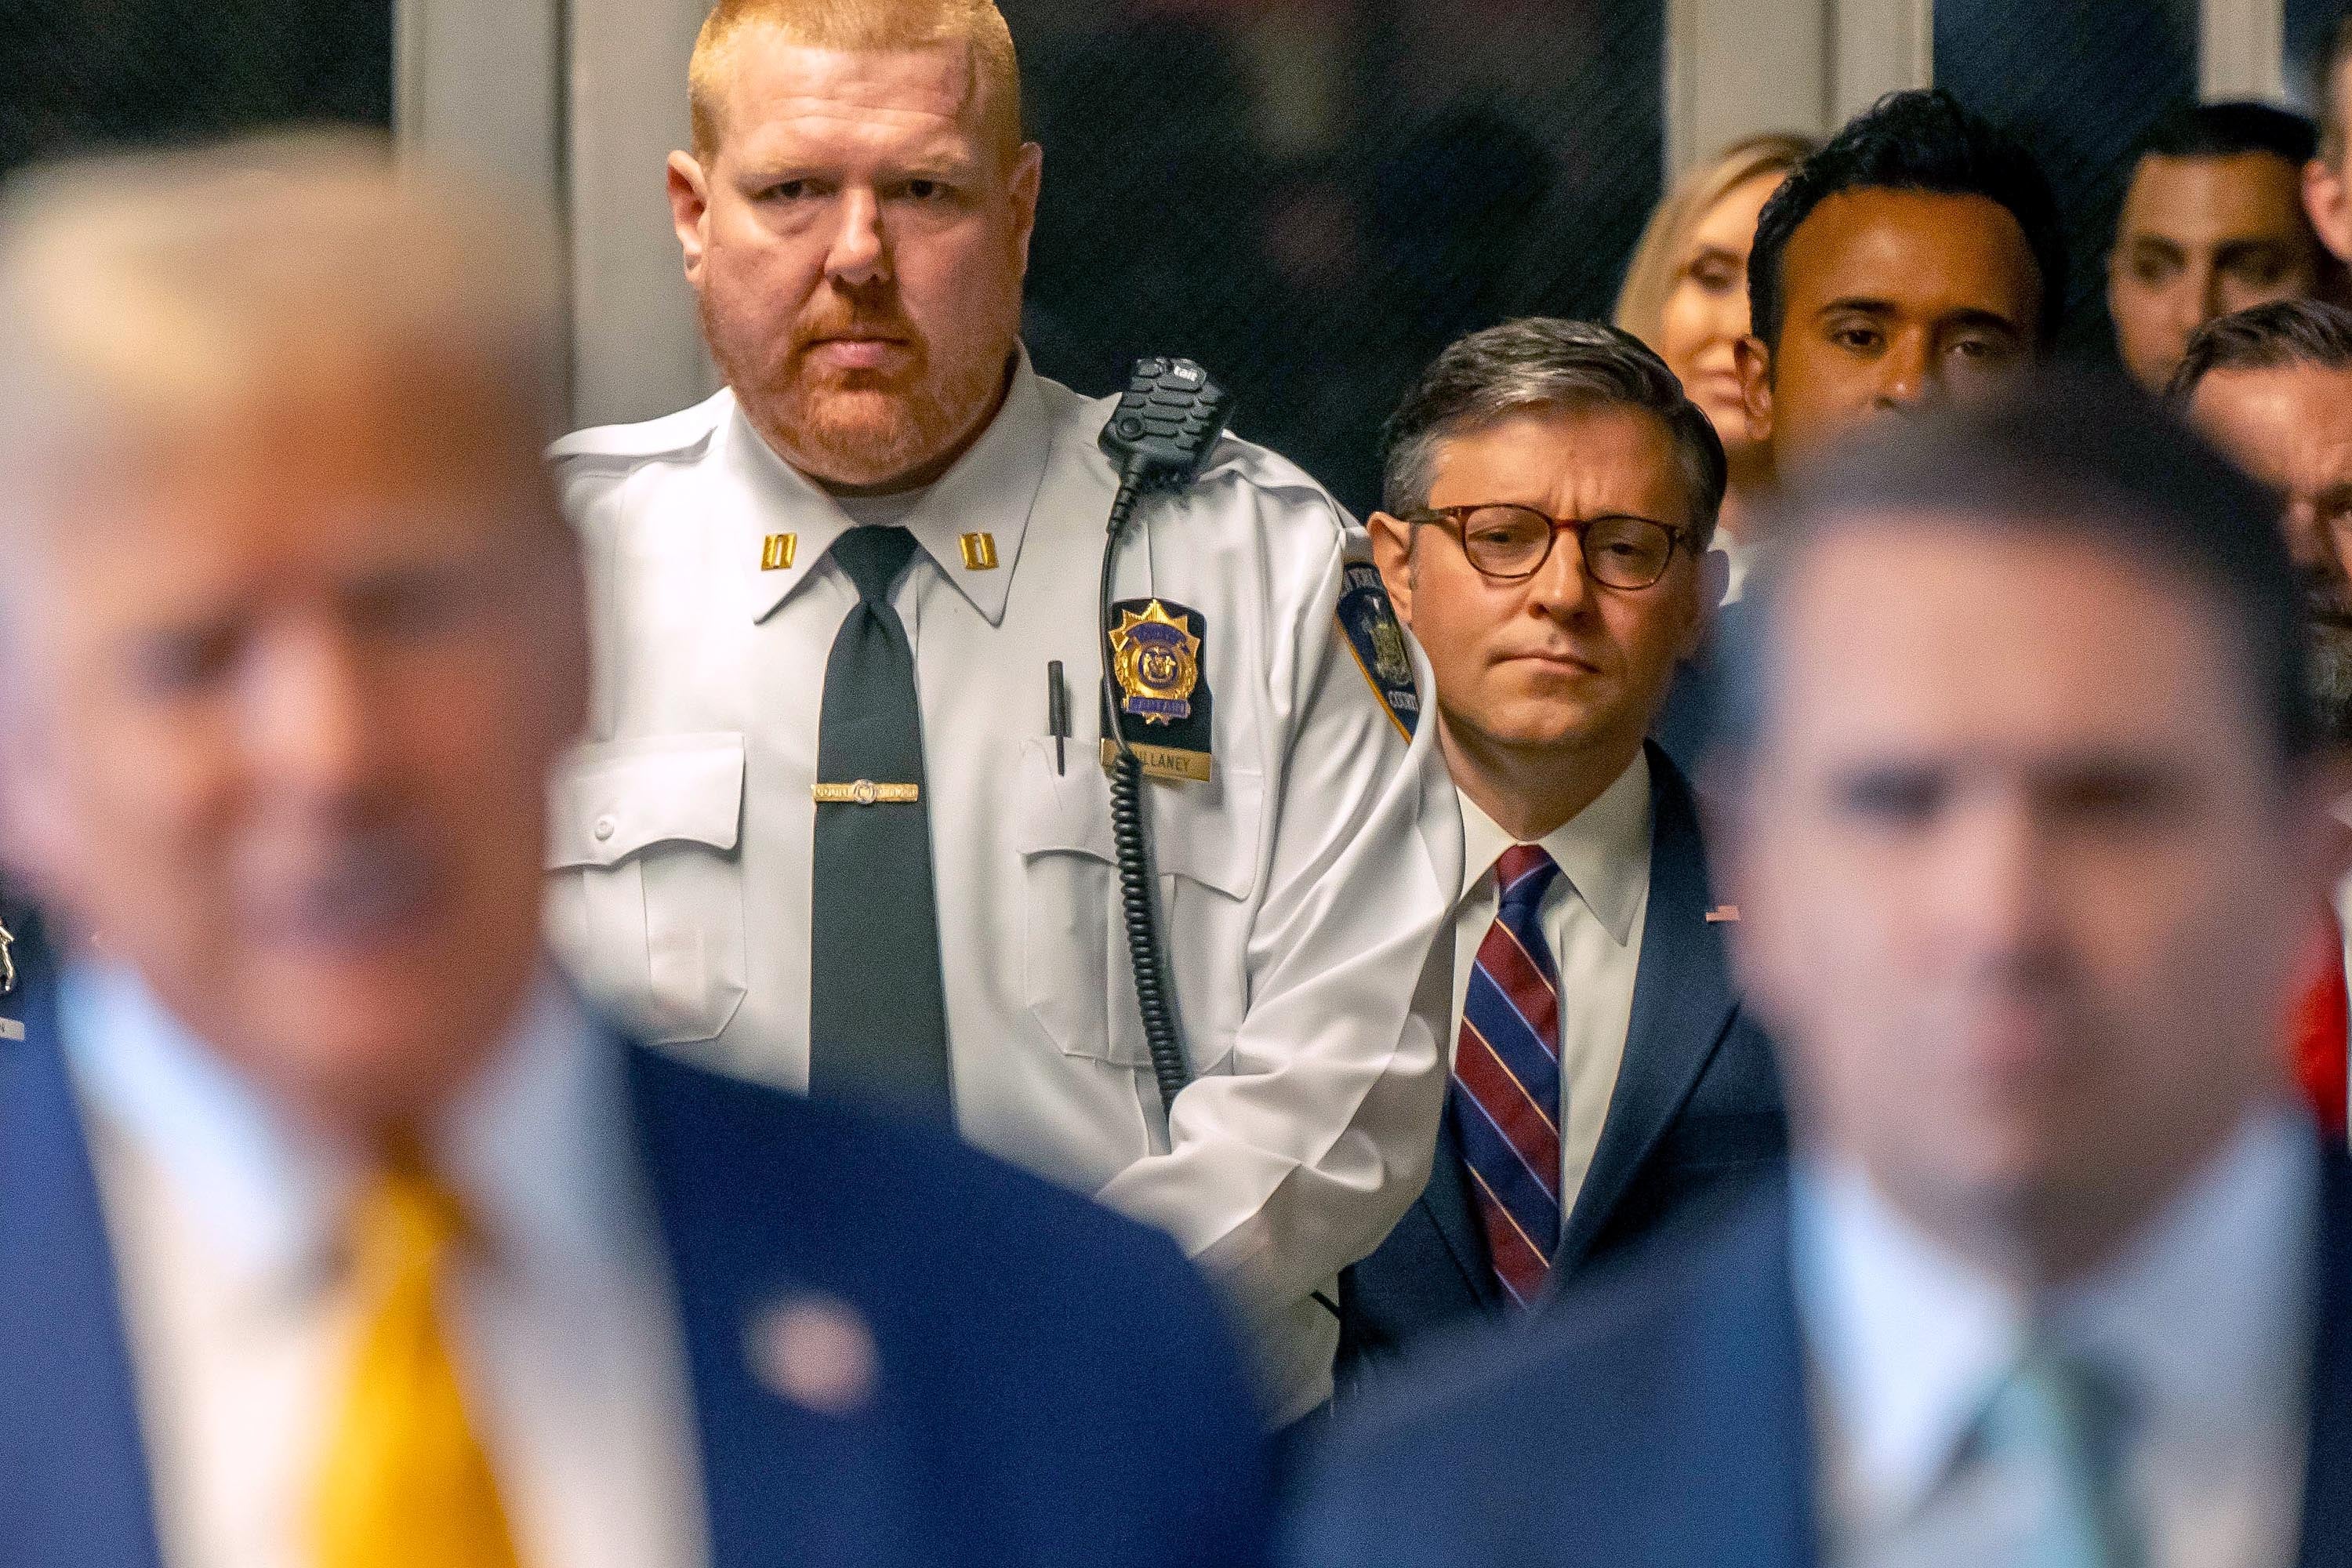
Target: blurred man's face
[1555, 664]
[1893, 299]
[296, 681]
[2021, 880]
[858, 242]
[2200, 237]
[2291, 426]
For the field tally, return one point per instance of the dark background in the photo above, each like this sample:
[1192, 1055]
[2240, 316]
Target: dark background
[1311, 196]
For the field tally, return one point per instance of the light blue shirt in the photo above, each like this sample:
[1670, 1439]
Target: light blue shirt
[2206, 1322]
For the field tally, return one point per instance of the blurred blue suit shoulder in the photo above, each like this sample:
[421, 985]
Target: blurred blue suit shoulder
[1051, 1383]
[1660, 1418]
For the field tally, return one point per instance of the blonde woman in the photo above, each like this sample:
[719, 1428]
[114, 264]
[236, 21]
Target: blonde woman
[1685, 295]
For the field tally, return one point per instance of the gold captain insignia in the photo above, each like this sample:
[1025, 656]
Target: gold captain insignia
[1157, 661]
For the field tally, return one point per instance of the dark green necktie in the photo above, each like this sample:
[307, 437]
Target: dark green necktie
[877, 1004]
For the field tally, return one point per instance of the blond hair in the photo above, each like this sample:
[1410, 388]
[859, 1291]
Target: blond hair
[156, 292]
[861, 26]
[1650, 277]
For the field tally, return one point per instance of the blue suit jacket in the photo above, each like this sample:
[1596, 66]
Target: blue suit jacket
[1694, 1119]
[1056, 1384]
[1664, 1423]
[1697, 709]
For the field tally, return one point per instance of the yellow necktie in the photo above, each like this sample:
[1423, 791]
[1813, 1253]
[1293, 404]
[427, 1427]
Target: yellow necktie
[405, 1481]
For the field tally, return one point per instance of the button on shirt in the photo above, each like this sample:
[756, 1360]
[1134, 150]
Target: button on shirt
[1303, 888]
[228, 1226]
[1593, 915]
[2205, 1326]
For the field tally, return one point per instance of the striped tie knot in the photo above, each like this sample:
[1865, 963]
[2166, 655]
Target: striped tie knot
[1523, 876]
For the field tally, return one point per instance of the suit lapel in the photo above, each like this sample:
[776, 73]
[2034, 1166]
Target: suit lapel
[1682, 1006]
[74, 1486]
[1731, 1393]
[1446, 1200]
[2327, 1481]
[782, 1482]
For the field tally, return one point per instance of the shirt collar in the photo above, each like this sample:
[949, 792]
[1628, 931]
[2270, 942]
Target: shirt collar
[987, 496]
[537, 1149]
[1603, 852]
[2206, 1317]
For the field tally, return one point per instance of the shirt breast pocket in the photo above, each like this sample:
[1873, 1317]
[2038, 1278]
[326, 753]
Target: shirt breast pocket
[646, 906]
[1076, 976]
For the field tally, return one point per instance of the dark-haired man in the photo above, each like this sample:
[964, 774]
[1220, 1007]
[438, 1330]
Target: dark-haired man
[2061, 1274]
[2212, 222]
[2273, 386]
[1551, 498]
[1916, 256]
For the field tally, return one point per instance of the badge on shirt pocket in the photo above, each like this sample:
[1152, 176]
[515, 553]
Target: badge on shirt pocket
[1159, 661]
[1368, 623]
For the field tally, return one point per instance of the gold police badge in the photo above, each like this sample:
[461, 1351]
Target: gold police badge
[1156, 659]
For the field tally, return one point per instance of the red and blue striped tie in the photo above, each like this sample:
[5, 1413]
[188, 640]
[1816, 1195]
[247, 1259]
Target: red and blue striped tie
[1506, 1097]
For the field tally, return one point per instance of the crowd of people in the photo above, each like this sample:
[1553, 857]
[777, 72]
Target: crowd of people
[906, 967]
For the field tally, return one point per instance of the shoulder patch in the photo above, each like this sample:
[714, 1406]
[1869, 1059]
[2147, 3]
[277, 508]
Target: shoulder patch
[1368, 623]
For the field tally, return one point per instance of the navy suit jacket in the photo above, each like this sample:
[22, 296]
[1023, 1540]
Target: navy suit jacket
[1664, 1423]
[1696, 712]
[1056, 1384]
[1695, 1118]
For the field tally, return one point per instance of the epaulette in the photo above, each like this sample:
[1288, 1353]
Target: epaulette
[681, 434]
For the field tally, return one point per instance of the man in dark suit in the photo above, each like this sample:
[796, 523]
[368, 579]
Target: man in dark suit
[2030, 819]
[1918, 257]
[1551, 496]
[336, 1230]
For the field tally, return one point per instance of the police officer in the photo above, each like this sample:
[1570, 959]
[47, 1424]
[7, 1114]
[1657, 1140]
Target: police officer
[843, 820]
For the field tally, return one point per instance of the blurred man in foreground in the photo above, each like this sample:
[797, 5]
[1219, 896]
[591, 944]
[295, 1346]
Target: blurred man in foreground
[2212, 222]
[1917, 258]
[336, 1232]
[2273, 386]
[2026, 827]
[1551, 498]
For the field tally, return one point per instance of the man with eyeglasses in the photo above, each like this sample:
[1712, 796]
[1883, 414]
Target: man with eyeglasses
[1550, 499]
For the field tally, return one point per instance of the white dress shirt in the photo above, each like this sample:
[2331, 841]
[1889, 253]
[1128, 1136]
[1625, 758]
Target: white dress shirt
[1304, 888]
[2206, 1322]
[1743, 556]
[227, 1224]
[1594, 914]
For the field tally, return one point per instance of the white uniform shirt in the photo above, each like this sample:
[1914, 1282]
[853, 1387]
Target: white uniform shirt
[1593, 916]
[227, 1230]
[1302, 890]
[2206, 1322]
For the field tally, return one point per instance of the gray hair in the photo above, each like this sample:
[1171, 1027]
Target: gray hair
[1545, 363]
[2264, 337]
